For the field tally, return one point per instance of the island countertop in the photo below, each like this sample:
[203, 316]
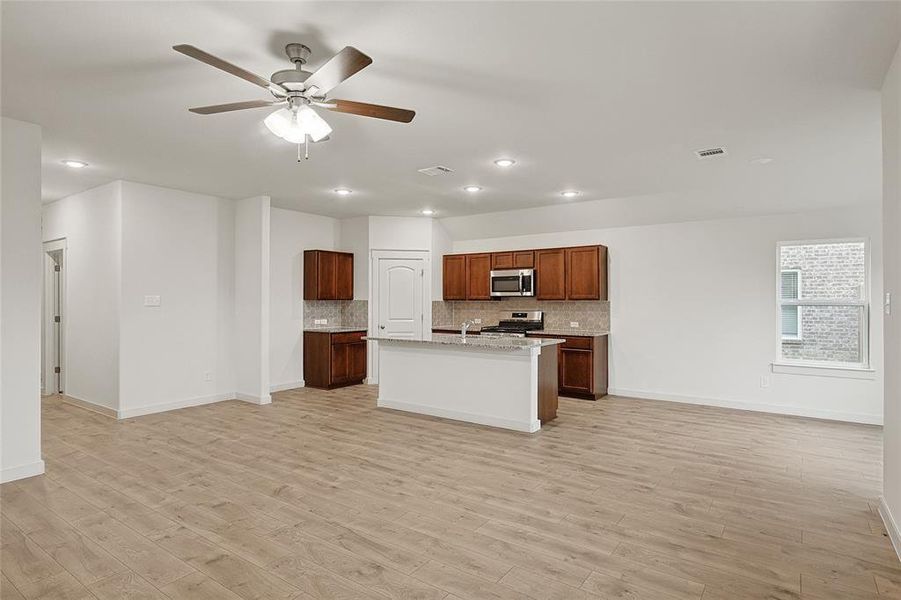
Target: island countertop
[510, 344]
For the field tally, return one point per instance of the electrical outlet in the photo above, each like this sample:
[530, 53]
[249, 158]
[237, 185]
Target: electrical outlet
[207, 376]
[765, 381]
[320, 321]
[888, 303]
[151, 300]
[477, 321]
[574, 324]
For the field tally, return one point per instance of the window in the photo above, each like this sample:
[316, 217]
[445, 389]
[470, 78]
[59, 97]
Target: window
[823, 303]
[791, 290]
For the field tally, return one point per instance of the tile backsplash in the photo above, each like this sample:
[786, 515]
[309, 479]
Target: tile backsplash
[590, 315]
[347, 313]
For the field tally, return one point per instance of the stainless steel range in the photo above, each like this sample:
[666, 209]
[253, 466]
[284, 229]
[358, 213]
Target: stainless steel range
[517, 325]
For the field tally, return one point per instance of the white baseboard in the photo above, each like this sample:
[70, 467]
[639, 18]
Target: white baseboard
[293, 385]
[167, 406]
[106, 411]
[528, 427]
[780, 409]
[22, 471]
[267, 399]
[890, 525]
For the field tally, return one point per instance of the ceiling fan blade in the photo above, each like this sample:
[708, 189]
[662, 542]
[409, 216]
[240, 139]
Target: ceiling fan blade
[221, 108]
[363, 109]
[215, 61]
[338, 68]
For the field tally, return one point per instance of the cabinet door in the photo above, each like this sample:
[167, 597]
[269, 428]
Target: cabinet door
[550, 272]
[340, 367]
[327, 276]
[356, 353]
[524, 259]
[478, 277]
[501, 260]
[454, 277]
[576, 370]
[583, 273]
[344, 276]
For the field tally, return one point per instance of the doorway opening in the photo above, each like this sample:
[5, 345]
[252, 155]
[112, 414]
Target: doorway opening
[53, 372]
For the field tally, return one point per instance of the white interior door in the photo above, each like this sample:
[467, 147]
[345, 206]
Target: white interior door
[401, 282]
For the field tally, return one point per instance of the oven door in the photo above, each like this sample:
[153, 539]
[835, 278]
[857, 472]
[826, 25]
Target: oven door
[512, 282]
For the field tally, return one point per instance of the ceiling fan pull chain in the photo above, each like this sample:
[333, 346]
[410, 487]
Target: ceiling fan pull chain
[306, 147]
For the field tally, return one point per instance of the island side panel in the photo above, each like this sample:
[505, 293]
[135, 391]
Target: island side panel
[488, 387]
[547, 384]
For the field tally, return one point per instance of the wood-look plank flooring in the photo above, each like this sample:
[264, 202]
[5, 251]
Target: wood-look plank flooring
[321, 495]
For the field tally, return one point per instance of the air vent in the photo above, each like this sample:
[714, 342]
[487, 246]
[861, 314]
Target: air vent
[436, 170]
[709, 153]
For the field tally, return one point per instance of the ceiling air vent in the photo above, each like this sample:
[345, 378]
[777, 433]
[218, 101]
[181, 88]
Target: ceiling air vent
[709, 153]
[436, 170]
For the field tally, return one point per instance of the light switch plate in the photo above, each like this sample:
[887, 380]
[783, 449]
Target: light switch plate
[888, 303]
[152, 301]
[765, 381]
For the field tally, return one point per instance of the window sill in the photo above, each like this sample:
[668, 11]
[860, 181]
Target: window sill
[824, 370]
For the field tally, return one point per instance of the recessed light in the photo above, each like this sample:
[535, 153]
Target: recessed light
[763, 160]
[505, 162]
[427, 211]
[342, 191]
[75, 164]
[472, 189]
[569, 193]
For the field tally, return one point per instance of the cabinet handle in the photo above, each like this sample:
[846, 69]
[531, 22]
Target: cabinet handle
[381, 326]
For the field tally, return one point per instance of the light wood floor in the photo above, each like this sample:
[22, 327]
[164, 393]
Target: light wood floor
[320, 495]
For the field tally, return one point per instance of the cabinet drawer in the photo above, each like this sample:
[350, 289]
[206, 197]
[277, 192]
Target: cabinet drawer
[579, 343]
[348, 338]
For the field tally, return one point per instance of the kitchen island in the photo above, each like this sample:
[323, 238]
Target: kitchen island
[499, 381]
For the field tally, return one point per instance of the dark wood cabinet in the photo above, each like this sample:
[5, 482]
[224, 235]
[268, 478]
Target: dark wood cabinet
[582, 366]
[577, 273]
[586, 273]
[524, 259]
[478, 275]
[333, 360]
[454, 276]
[328, 275]
[550, 273]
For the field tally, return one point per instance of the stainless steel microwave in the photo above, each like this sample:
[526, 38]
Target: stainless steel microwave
[513, 282]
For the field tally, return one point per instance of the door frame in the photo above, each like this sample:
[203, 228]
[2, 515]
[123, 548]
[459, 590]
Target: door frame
[375, 256]
[47, 314]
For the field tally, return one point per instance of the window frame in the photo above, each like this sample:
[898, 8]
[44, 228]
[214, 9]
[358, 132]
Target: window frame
[800, 335]
[812, 366]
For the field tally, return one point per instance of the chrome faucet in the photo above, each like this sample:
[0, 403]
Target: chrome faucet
[465, 327]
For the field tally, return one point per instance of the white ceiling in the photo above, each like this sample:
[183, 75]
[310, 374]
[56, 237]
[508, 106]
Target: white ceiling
[608, 98]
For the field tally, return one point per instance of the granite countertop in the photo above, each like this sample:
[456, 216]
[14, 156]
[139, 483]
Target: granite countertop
[477, 341]
[571, 332]
[560, 332]
[334, 328]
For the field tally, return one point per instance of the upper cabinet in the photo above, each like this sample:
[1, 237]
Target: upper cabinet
[454, 276]
[586, 273]
[578, 273]
[328, 275]
[550, 274]
[521, 259]
[478, 277]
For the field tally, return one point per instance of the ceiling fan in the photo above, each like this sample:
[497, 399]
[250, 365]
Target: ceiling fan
[297, 90]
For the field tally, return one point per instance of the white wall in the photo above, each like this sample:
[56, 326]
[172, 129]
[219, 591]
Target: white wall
[20, 301]
[693, 315]
[441, 244]
[252, 222]
[291, 233]
[179, 246]
[354, 237]
[91, 223]
[891, 144]
[400, 233]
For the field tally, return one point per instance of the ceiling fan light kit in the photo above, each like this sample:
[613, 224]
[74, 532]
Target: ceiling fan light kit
[298, 123]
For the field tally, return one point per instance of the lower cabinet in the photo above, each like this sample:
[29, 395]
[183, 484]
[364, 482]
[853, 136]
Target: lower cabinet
[581, 366]
[333, 360]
